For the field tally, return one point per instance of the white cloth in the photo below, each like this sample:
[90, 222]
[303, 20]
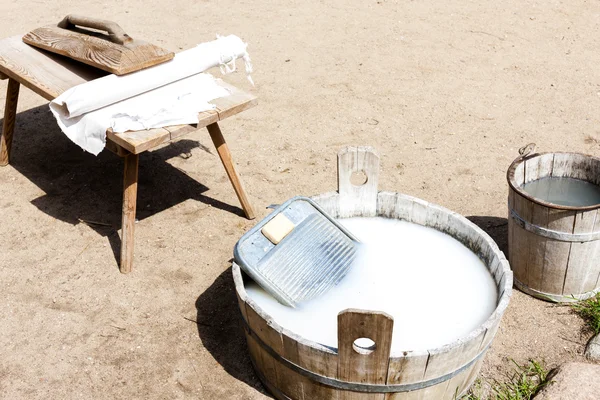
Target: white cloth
[168, 94]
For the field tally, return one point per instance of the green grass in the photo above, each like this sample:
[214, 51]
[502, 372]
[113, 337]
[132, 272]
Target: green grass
[589, 310]
[523, 384]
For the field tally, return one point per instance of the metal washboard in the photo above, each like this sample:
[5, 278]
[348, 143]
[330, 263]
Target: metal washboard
[296, 253]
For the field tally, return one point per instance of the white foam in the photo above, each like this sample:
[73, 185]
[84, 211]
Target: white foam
[436, 289]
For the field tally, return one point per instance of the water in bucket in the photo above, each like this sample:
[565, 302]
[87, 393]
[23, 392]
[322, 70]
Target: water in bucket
[564, 191]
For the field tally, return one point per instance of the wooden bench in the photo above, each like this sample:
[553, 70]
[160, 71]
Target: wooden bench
[49, 75]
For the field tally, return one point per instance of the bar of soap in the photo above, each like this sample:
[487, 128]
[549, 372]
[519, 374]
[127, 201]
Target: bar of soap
[277, 228]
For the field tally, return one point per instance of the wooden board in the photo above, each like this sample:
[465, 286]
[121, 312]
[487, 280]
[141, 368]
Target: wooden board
[98, 52]
[140, 141]
[358, 198]
[8, 126]
[47, 74]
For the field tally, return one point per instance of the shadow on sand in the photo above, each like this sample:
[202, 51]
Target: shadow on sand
[496, 227]
[79, 186]
[221, 331]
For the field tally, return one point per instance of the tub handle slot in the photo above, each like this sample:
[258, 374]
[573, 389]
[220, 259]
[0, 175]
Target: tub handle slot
[364, 365]
[359, 199]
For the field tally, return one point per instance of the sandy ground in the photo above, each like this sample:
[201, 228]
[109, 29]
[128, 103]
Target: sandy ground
[446, 91]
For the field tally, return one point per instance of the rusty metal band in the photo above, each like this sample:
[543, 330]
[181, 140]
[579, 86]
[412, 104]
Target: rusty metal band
[551, 234]
[356, 387]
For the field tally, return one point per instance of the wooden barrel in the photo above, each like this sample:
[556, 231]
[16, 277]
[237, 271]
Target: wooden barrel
[554, 250]
[292, 367]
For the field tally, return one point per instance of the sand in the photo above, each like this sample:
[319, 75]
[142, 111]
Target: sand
[446, 91]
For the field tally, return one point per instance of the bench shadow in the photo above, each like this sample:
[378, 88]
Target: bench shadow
[82, 188]
[221, 330]
[496, 227]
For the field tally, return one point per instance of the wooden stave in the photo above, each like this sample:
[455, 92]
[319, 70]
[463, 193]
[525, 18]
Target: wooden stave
[388, 205]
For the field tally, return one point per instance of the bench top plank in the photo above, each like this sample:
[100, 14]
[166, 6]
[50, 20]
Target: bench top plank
[49, 75]
[45, 73]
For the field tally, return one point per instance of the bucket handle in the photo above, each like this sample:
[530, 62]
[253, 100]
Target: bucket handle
[359, 363]
[525, 151]
[358, 199]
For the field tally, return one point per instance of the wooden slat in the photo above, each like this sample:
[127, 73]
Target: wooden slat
[511, 224]
[358, 200]
[330, 202]
[457, 384]
[241, 292]
[582, 259]
[228, 164]
[419, 212]
[137, 142]
[47, 74]
[263, 361]
[557, 253]
[386, 204]
[10, 116]
[546, 164]
[444, 360]
[176, 131]
[531, 169]
[594, 272]
[537, 247]
[407, 369]
[140, 141]
[115, 148]
[470, 378]
[562, 165]
[235, 103]
[404, 207]
[519, 246]
[130, 182]
[312, 358]
[372, 365]
[291, 383]
[269, 332]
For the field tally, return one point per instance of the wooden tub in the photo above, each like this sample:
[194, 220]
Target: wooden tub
[292, 367]
[554, 250]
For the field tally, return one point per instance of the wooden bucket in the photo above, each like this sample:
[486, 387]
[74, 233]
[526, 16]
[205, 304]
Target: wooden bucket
[554, 250]
[292, 367]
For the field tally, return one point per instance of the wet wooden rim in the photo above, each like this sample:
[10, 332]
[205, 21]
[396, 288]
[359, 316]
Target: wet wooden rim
[510, 177]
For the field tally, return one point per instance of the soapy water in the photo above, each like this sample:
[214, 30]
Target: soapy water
[434, 287]
[564, 191]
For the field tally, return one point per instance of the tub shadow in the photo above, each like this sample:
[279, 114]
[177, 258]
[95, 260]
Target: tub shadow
[79, 186]
[221, 331]
[496, 227]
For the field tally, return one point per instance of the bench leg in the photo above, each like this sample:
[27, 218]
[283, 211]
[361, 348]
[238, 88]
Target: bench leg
[10, 115]
[225, 155]
[130, 180]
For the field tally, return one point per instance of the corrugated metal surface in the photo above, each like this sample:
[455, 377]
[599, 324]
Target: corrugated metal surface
[311, 259]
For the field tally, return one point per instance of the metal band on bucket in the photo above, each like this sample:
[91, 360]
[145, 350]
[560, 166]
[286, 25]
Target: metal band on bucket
[358, 387]
[551, 234]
